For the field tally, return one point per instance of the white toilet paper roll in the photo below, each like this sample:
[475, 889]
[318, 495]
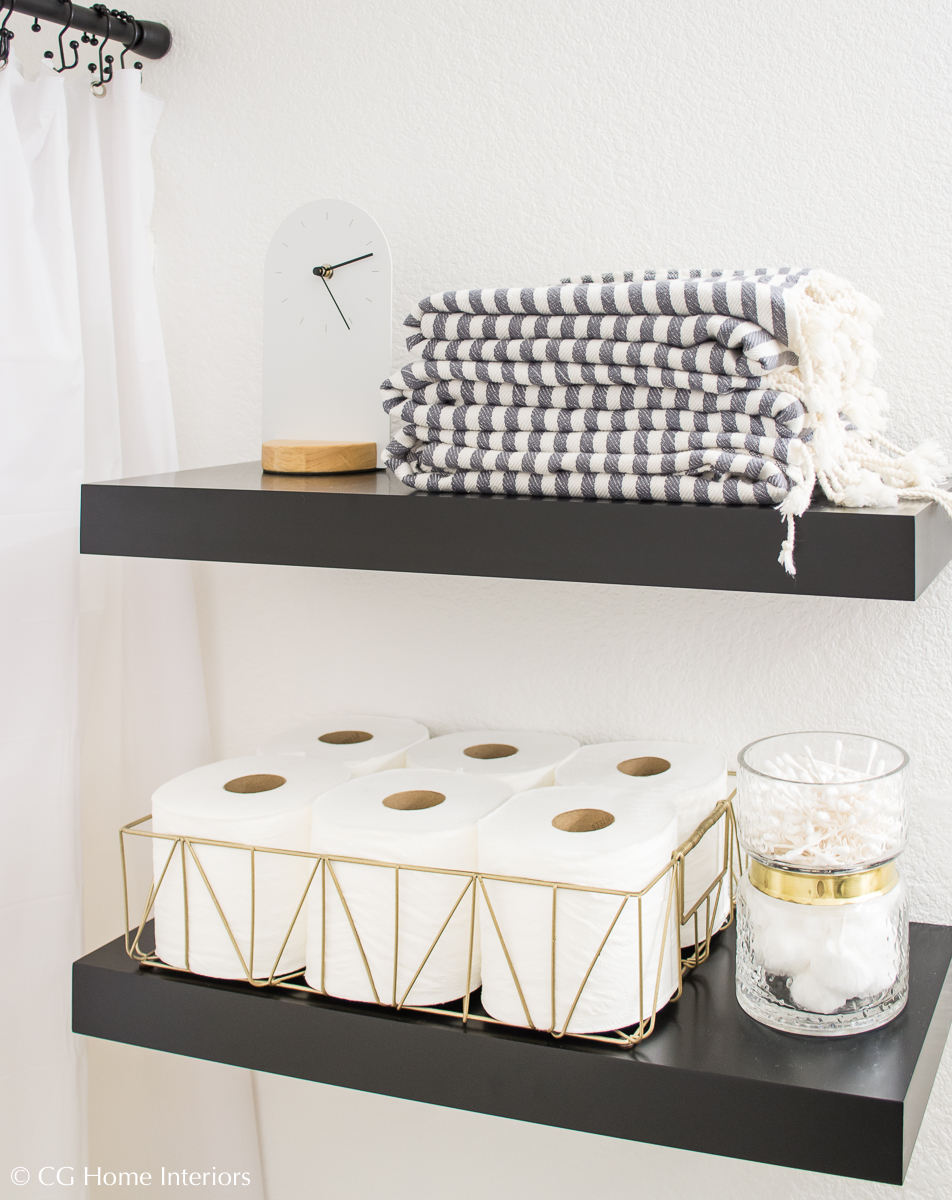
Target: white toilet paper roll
[257, 800]
[362, 744]
[693, 778]
[414, 817]
[521, 758]
[595, 837]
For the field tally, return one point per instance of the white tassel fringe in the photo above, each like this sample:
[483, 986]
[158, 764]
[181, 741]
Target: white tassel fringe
[830, 329]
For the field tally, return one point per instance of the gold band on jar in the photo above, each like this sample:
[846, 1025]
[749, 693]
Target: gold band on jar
[802, 888]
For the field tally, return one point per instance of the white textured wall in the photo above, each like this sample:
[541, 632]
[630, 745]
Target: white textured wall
[509, 143]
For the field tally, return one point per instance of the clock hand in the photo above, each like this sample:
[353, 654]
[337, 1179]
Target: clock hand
[327, 271]
[360, 258]
[336, 305]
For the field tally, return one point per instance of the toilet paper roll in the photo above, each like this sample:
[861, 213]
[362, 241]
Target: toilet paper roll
[362, 744]
[595, 837]
[693, 778]
[519, 758]
[414, 817]
[258, 800]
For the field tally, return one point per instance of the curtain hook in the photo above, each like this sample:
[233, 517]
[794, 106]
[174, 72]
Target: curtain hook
[135, 41]
[105, 68]
[6, 36]
[74, 46]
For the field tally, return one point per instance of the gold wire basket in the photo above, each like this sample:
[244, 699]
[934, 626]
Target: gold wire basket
[699, 920]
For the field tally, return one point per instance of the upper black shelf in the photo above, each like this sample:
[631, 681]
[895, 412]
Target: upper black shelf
[708, 1079]
[371, 522]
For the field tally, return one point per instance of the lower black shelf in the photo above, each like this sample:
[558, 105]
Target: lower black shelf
[709, 1079]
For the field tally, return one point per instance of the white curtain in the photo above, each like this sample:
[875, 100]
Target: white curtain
[85, 392]
[41, 463]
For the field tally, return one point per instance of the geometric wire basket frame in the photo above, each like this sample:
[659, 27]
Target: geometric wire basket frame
[699, 920]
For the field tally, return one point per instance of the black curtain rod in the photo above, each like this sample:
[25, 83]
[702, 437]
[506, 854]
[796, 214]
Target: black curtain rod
[150, 39]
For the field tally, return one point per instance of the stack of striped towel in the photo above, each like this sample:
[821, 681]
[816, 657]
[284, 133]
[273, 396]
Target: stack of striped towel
[705, 386]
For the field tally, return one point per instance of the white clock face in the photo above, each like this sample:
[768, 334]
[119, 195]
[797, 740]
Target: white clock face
[327, 324]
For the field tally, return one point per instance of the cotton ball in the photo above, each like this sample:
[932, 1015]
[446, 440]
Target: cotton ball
[871, 933]
[877, 949]
[856, 953]
[884, 960]
[842, 949]
[844, 972]
[782, 938]
[782, 945]
[883, 972]
[808, 993]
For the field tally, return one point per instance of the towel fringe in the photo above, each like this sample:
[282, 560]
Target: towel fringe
[870, 472]
[855, 465]
[786, 547]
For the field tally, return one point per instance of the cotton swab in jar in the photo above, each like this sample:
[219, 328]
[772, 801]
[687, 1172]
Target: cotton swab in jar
[815, 813]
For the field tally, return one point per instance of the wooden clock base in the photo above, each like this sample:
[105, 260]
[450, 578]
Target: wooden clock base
[288, 457]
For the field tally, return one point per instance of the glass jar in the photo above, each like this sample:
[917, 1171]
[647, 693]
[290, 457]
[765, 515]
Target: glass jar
[822, 801]
[822, 954]
[822, 932]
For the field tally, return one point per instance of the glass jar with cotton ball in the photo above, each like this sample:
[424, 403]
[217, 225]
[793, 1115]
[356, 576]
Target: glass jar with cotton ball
[822, 931]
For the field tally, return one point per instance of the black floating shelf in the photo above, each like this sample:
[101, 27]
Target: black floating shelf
[371, 522]
[709, 1079]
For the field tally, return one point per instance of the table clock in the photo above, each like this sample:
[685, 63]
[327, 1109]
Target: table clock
[327, 315]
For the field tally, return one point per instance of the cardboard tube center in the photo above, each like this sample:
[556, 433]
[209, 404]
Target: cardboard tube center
[255, 783]
[644, 766]
[491, 750]
[583, 820]
[345, 737]
[409, 801]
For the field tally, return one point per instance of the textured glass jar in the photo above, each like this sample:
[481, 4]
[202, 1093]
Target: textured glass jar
[825, 968]
[822, 934]
[822, 801]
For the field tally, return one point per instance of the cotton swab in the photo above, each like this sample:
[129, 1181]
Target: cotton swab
[818, 814]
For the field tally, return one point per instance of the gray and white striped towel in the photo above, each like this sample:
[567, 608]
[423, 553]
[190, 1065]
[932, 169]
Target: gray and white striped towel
[711, 387]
